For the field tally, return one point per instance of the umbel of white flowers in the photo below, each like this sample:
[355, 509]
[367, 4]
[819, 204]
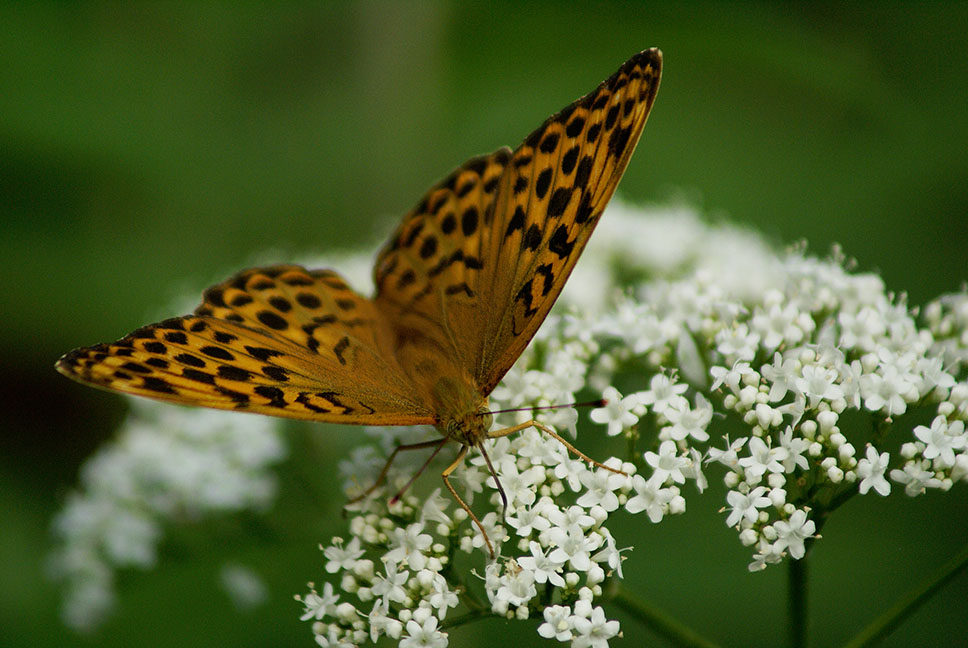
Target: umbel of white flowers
[673, 321]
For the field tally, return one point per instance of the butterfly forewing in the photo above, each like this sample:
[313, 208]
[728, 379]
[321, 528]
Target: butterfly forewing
[281, 340]
[550, 199]
[485, 253]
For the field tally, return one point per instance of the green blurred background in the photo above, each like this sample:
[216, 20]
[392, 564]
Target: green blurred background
[146, 149]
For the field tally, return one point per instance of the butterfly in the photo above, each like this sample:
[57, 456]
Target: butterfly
[461, 288]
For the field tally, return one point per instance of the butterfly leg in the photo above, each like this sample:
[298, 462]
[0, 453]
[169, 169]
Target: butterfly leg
[386, 467]
[547, 430]
[446, 475]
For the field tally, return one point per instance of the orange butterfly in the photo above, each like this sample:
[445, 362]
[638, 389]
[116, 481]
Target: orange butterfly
[461, 288]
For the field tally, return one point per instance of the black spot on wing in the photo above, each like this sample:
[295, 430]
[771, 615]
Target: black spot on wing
[274, 394]
[234, 373]
[159, 385]
[549, 143]
[217, 352]
[618, 141]
[516, 222]
[560, 244]
[468, 221]
[575, 127]
[340, 347]
[272, 320]
[308, 300]
[559, 202]
[262, 353]
[281, 304]
[189, 359]
[532, 238]
[543, 183]
[176, 337]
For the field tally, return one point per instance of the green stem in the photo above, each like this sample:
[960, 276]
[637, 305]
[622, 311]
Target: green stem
[885, 624]
[660, 622]
[797, 601]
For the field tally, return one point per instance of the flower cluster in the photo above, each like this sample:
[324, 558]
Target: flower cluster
[783, 345]
[167, 463]
[556, 550]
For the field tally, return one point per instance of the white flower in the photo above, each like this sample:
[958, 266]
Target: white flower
[558, 623]
[862, 329]
[744, 506]
[570, 471]
[600, 490]
[690, 421]
[650, 497]
[166, 463]
[409, 544]
[728, 457]
[737, 342]
[792, 533]
[425, 635]
[610, 554]
[819, 383]
[778, 324]
[530, 519]
[316, 606]
[435, 508]
[492, 526]
[381, 623]
[887, 392]
[763, 458]
[544, 569]
[693, 469]
[441, 596]
[667, 464]
[573, 515]
[391, 585]
[941, 439]
[915, 479]
[517, 586]
[871, 472]
[519, 486]
[795, 447]
[338, 558]
[618, 412]
[782, 374]
[573, 546]
[768, 553]
[594, 631]
[663, 393]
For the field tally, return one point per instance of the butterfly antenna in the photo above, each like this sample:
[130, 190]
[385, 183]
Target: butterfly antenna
[396, 498]
[500, 489]
[601, 402]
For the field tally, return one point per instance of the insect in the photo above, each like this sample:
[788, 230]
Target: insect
[461, 288]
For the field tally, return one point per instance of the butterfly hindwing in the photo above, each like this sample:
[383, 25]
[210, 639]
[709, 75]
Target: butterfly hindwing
[281, 340]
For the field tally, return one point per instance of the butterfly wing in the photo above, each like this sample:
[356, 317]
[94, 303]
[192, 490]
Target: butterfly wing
[550, 199]
[485, 254]
[428, 276]
[280, 340]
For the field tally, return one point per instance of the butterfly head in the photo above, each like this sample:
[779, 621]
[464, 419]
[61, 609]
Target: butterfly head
[464, 416]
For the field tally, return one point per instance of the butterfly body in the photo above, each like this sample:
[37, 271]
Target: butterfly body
[461, 288]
